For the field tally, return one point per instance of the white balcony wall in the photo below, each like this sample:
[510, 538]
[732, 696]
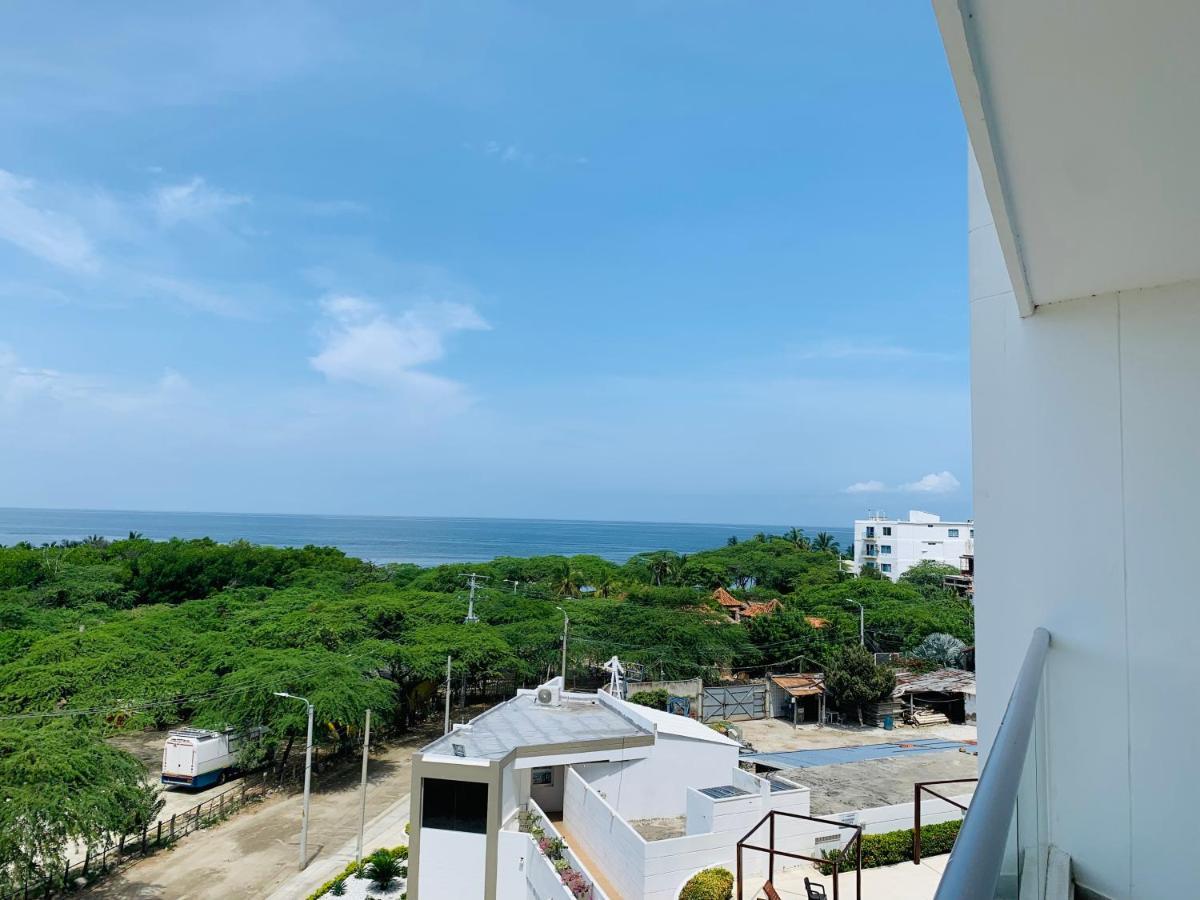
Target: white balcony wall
[514, 854]
[656, 785]
[1086, 427]
[452, 858]
[604, 837]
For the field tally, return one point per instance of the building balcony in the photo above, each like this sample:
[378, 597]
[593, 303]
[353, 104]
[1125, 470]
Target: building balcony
[1003, 849]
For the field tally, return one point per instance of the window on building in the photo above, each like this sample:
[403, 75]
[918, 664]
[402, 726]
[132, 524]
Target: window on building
[886, 567]
[887, 530]
[870, 531]
[885, 549]
[953, 532]
[972, 532]
[871, 549]
[543, 775]
[868, 564]
[454, 805]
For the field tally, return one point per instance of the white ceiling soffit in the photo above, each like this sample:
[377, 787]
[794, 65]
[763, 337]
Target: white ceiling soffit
[1085, 119]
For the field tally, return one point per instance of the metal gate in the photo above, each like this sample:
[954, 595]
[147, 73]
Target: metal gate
[734, 703]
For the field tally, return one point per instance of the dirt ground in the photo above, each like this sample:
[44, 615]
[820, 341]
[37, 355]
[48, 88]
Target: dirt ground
[256, 850]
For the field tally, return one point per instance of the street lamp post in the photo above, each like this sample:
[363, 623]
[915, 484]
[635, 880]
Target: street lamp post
[566, 623]
[862, 631]
[307, 777]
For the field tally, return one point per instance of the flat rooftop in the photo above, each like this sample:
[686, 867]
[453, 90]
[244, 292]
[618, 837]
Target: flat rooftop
[522, 722]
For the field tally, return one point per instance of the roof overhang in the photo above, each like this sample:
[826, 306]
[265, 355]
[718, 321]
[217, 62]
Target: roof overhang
[1082, 120]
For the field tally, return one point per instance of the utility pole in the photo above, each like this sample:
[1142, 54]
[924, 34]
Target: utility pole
[446, 729]
[473, 581]
[362, 809]
[862, 631]
[307, 777]
[566, 624]
[513, 582]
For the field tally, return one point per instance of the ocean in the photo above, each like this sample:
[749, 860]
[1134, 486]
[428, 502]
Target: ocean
[381, 539]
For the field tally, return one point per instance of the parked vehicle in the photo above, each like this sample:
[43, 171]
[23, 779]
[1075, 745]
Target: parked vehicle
[197, 758]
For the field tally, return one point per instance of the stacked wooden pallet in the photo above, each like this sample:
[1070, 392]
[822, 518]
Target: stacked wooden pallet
[924, 716]
[874, 713]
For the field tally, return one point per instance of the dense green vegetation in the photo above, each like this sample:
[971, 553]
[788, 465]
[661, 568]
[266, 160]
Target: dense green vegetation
[98, 637]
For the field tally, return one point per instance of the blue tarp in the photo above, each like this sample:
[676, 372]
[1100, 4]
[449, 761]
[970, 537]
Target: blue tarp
[832, 756]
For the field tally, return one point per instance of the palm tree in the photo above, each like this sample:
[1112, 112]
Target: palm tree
[660, 568]
[796, 537]
[95, 540]
[566, 581]
[607, 585]
[135, 536]
[825, 543]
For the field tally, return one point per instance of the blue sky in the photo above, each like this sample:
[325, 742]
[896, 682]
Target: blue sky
[678, 261]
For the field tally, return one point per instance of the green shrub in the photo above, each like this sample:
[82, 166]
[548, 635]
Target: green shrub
[656, 699]
[397, 853]
[338, 888]
[893, 847]
[383, 868]
[708, 884]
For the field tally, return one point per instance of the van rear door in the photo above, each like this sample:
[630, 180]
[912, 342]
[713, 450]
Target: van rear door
[179, 759]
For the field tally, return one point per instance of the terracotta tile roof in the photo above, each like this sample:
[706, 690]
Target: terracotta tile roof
[725, 598]
[762, 609]
[816, 621]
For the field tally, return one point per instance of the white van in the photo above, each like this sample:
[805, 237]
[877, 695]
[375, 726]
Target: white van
[198, 758]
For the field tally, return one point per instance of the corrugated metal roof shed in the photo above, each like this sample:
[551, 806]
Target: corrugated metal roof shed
[804, 685]
[939, 681]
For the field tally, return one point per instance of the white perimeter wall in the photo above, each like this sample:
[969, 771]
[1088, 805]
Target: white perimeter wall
[657, 785]
[451, 858]
[1086, 436]
[657, 870]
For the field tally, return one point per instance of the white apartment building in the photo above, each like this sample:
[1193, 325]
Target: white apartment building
[1083, 235]
[893, 546]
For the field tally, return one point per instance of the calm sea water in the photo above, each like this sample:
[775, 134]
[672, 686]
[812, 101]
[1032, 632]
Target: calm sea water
[425, 541]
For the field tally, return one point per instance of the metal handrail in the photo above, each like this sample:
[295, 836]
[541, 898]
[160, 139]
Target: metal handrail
[973, 869]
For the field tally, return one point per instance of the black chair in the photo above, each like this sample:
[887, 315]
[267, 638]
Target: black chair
[815, 891]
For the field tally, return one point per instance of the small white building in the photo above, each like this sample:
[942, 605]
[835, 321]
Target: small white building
[893, 546]
[641, 798]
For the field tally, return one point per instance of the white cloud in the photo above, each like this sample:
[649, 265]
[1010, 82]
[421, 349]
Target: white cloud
[113, 248]
[23, 386]
[933, 483]
[192, 201]
[507, 153]
[866, 487]
[364, 343]
[45, 233]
